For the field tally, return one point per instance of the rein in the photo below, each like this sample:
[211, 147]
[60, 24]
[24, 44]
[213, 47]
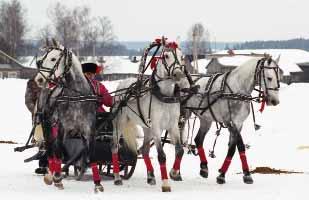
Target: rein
[259, 76]
[58, 82]
[138, 89]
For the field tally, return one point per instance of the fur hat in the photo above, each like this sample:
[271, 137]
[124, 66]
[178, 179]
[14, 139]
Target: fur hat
[89, 67]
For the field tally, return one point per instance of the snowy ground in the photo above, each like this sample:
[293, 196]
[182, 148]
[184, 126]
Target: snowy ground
[284, 129]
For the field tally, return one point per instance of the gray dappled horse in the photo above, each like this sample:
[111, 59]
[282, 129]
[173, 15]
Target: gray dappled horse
[69, 102]
[155, 110]
[225, 98]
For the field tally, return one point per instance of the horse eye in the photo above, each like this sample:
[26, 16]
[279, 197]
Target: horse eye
[53, 59]
[166, 56]
[269, 79]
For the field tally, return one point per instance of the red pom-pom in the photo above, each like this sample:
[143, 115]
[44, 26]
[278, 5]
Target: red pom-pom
[172, 45]
[158, 41]
[99, 69]
[153, 63]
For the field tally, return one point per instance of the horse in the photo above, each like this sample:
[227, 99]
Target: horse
[225, 99]
[155, 110]
[69, 103]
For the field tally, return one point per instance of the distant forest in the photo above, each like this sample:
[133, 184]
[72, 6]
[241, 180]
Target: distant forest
[299, 43]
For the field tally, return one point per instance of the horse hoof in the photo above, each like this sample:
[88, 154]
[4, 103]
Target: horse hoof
[175, 175]
[248, 179]
[221, 179]
[41, 171]
[118, 182]
[48, 179]
[204, 173]
[98, 188]
[166, 189]
[151, 180]
[59, 185]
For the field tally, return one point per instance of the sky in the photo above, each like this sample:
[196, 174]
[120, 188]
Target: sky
[226, 20]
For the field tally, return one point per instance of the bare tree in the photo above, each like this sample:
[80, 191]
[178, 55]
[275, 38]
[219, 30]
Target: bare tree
[90, 40]
[197, 43]
[106, 32]
[198, 40]
[12, 27]
[69, 24]
[43, 33]
[75, 28]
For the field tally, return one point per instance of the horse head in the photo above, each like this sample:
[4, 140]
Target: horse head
[268, 78]
[171, 63]
[54, 64]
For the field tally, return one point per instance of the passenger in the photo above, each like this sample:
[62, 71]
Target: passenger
[31, 96]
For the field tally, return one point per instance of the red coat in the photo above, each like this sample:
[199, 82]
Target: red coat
[104, 97]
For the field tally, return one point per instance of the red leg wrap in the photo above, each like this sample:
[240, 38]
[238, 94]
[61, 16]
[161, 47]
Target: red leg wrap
[148, 163]
[202, 155]
[177, 162]
[115, 163]
[54, 131]
[57, 165]
[51, 164]
[226, 164]
[163, 171]
[244, 162]
[95, 173]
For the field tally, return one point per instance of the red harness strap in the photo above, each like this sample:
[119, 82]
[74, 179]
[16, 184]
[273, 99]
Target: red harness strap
[262, 105]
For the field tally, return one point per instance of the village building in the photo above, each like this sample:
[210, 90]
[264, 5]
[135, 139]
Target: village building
[12, 68]
[293, 63]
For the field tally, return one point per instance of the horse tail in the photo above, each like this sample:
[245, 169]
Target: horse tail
[129, 134]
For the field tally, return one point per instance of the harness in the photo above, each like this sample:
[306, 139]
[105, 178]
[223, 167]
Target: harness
[228, 95]
[150, 85]
[59, 82]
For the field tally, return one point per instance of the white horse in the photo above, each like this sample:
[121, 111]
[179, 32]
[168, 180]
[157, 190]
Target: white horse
[155, 110]
[226, 99]
[70, 104]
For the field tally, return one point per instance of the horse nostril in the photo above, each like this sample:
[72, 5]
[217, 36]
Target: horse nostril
[274, 102]
[40, 80]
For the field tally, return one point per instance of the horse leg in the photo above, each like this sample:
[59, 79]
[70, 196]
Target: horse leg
[242, 154]
[115, 159]
[199, 140]
[175, 171]
[151, 180]
[231, 151]
[162, 161]
[57, 177]
[50, 147]
[94, 166]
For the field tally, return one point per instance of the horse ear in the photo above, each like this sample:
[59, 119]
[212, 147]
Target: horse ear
[278, 59]
[47, 42]
[55, 43]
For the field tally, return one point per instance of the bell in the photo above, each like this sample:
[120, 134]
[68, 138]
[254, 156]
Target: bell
[148, 122]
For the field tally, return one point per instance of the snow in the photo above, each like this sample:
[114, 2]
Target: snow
[284, 129]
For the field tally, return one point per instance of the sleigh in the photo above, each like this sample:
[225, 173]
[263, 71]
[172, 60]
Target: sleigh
[74, 148]
[102, 152]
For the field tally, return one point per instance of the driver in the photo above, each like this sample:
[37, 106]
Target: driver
[90, 71]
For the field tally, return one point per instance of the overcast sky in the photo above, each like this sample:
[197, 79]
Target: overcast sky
[226, 20]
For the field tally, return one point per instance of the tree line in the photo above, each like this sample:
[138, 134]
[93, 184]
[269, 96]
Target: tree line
[75, 28]
[298, 43]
